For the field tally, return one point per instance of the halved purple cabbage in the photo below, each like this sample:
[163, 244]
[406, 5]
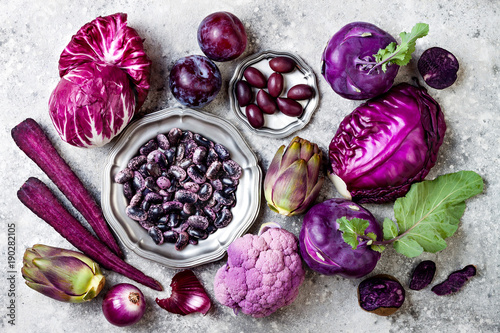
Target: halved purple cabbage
[91, 104]
[323, 248]
[108, 40]
[386, 144]
[347, 61]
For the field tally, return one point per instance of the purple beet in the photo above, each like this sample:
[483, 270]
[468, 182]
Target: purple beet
[381, 294]
[422, 275]
[455, 281]
[438, 67]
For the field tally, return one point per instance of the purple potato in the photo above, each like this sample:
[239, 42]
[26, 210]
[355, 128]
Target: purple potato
[195, 81]
[282, 64]
[289, 107]
[438, 67]
[455, 281]
[381, 294]
[422, 275]
[255, 77]
[275, 84]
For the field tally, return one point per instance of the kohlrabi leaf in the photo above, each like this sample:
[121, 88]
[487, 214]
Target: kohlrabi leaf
[431, 211]
[390, 229]
[401, 54]
[352, 229]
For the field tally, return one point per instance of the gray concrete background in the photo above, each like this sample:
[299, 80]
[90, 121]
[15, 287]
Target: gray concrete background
[34, 33]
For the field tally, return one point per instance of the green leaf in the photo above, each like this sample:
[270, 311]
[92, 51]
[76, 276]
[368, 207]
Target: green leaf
[431, 211]
[390, 229]
[352, 229]
[378, 248]
[401, 54]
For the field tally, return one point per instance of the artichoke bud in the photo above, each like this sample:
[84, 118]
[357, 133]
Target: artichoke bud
[64, 275]
[293, 181]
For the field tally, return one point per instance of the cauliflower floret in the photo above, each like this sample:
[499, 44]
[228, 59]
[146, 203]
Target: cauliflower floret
[263, 273]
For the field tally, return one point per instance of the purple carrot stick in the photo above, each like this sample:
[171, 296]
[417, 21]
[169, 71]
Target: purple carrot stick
[35, 195]
[30, 137]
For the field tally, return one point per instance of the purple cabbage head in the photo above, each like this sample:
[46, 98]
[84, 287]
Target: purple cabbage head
[108, 40]
[386, 144]
[323, 248]
[348, 58]
[91, 104]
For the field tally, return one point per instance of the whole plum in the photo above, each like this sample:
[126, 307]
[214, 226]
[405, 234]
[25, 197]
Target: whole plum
[195, 80]
[222, 37]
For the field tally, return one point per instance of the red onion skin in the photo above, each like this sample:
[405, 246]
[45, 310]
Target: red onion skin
[123, 305]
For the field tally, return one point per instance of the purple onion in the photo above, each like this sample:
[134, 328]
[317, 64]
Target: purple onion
[123, 305]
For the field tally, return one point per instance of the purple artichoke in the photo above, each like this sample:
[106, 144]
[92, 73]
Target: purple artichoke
[64, 275]
[386, 144]
[293, 179]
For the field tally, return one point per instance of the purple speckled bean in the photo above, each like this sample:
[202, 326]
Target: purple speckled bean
[223, 218]
[170, 155]
[155, 212]
[124, 176]
[202, 141]
[185, 163]
[156, 235]
[146, 224]
[178, 172]
[232, 168]
[180, 152]
[136, 199]
[173, 220]
[196, 175]
[145, 205]
[136, 162]
[217, 184]
[213, 170]
[163, 183]
[138, 181]
[189, 208]
[190, 147]
[136, 214]
[150, 184]
[191, 187]
[174, 135]
[148, 147]
[197, 233]
[153, 197]
[170, 236]
[186, 136]
[153, 169]
[210, 214]
[212, 156]
[223, 199]
[200, 155]
[185, 196]
[163, 142]
[205, 192]
[193, 241]
[128, 190]
[199, 222]
[222, 152]
[171, 206]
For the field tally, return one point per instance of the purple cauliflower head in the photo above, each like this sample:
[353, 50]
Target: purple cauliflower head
[263, 273]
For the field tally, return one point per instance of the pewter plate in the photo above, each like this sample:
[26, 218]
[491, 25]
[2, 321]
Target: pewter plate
[247, 195]
[276, 125]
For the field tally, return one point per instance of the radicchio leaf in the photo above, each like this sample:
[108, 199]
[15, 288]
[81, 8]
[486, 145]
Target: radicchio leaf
[188, 295]
[108, 40]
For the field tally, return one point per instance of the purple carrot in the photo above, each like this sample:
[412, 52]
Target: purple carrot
[30, 137]
[41, 201]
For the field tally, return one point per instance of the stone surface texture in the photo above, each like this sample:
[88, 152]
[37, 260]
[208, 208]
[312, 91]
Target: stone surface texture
[34, 33]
